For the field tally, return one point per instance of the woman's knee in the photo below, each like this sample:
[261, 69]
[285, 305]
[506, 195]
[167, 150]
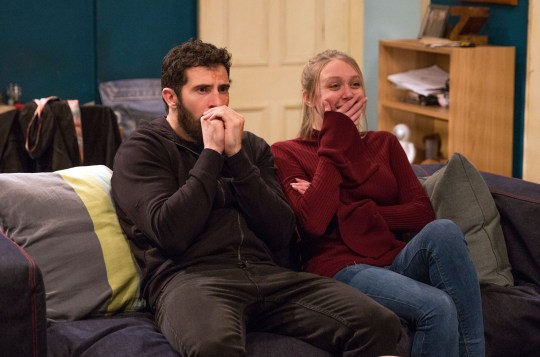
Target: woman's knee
[444, 234]
[445, 227]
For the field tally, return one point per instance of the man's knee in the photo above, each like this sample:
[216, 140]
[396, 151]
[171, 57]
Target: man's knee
[210, 345]
[378, 334]
[386, 325]
[215, 346]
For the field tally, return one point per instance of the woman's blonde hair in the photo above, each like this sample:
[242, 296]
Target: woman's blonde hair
[310, 87]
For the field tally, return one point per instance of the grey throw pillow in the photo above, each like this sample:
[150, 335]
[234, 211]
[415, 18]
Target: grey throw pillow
[459, 193]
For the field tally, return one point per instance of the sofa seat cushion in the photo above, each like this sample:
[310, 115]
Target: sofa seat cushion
[511, 320]
[66, 221]
[132, 334]
[135, 334]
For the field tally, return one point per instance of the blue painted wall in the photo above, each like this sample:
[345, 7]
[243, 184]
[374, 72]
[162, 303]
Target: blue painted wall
[133, 36]
[65, 48]
[507, 26]
[384, 19]
[48, 48]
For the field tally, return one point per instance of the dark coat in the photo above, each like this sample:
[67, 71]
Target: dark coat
[182, 205]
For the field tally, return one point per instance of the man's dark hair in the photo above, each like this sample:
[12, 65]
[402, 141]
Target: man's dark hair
[193, 53]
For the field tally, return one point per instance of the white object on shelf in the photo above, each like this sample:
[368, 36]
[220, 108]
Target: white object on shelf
[403, 134]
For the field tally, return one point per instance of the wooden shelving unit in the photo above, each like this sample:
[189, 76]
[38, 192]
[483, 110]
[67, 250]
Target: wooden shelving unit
[479, 120]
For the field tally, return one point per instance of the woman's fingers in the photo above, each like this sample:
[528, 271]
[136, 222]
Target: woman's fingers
[300, 185]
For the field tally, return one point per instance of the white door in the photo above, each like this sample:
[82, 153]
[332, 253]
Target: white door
[270, 41]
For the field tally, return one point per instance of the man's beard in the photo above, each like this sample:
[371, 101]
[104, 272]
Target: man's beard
[190, 124]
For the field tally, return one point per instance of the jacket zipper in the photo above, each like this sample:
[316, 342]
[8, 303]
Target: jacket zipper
[241, 263]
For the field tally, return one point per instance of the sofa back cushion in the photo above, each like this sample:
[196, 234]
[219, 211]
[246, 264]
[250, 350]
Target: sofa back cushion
[66, 221]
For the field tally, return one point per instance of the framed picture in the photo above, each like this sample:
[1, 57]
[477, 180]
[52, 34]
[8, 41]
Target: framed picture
[434, 21]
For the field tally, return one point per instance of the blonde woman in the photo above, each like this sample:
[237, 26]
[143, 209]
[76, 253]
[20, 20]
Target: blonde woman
[356, 198]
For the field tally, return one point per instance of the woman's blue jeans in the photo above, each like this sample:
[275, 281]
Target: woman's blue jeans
[432, 284]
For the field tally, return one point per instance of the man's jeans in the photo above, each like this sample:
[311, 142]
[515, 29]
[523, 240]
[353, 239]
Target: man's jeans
[206, 311]
[432, 284]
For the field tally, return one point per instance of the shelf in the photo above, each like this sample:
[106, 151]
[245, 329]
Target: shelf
[431, 111]
[416, 45]
[479, 121]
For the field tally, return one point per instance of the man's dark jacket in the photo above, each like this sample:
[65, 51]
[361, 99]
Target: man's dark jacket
[182, 205]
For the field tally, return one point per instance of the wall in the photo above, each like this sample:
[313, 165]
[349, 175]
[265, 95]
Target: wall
[134, 35]
[385, 19]
[507, 26]
[48, 49]
[531, 142]
[65, 48]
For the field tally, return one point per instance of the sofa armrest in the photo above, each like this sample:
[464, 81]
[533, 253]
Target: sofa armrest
[518, 202]
[23, 323]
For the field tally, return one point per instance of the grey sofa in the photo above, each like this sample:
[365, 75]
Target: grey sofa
[511, 314]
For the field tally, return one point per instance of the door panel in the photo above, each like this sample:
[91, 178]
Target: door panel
[270, 41]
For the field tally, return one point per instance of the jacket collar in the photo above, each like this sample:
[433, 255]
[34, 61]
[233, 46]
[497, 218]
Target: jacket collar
[163, 128]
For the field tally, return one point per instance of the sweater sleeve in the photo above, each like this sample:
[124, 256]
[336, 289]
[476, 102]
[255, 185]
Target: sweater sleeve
[413, 209]
[315, 208]
[324, 164]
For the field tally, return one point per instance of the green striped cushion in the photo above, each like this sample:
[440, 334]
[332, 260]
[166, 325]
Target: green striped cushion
[67, 222]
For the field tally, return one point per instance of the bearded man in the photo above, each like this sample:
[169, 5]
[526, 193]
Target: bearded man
[201, 204]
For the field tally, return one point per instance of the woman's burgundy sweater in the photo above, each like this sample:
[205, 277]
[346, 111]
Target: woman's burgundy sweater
[363, 194]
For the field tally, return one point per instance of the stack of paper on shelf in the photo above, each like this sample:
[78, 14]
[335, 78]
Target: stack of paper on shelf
[426, 81]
